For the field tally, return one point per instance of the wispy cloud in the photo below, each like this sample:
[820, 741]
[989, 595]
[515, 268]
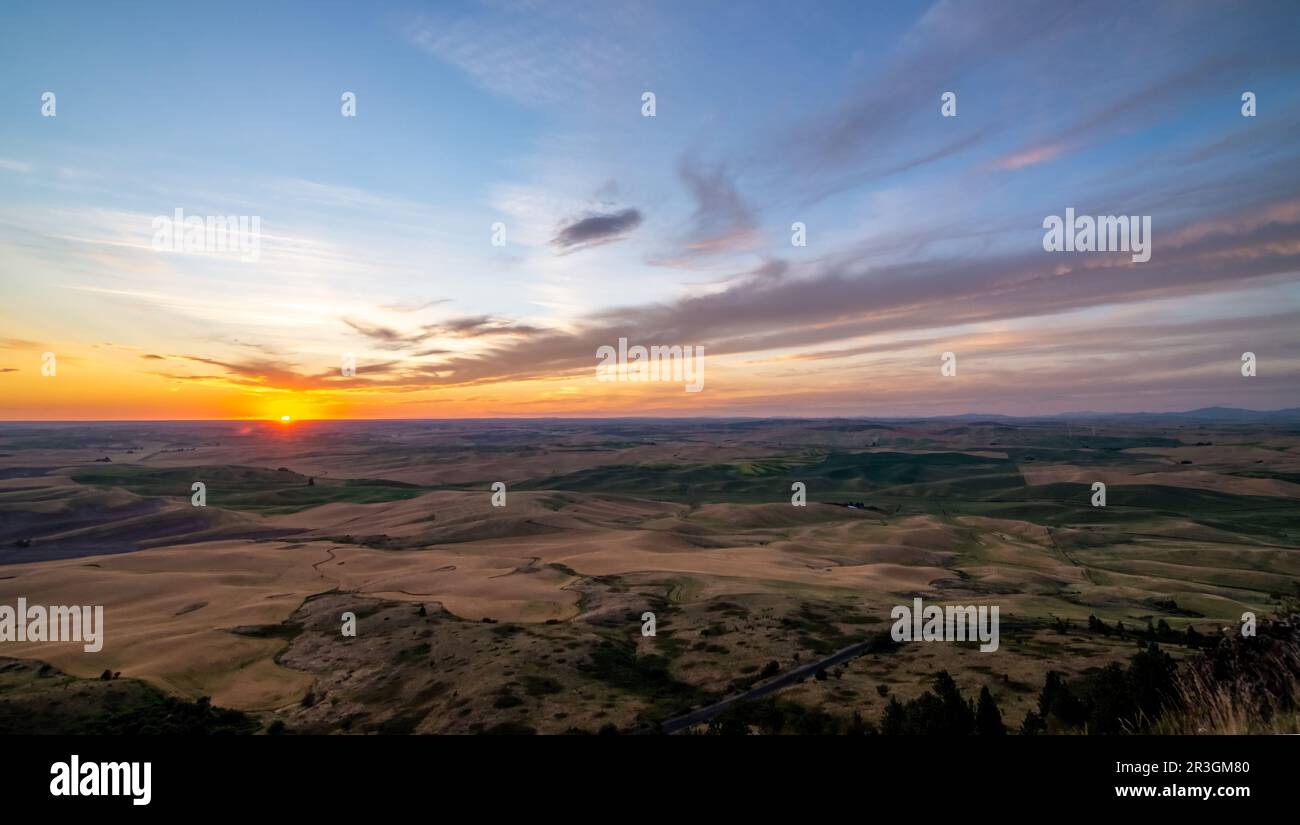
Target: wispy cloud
[481, 325]
[535, 53]
[722, 221]
[387, 337]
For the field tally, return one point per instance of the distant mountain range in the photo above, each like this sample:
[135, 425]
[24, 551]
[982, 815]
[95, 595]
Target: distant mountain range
[1218, 414]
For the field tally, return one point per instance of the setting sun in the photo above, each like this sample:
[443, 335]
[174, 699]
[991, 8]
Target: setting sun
[284, 419]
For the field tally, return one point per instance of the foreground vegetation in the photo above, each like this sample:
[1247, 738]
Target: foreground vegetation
[1241, 684]
[39, 699]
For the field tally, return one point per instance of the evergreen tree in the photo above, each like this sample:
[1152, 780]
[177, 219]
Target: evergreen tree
[956, 717]
[893, 722]
[1033, 725]
[988, 719]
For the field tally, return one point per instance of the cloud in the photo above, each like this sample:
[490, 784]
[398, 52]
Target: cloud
[407, 308]
[597, 229]
[722, 221]
[475, 326]
[1133, 111]
[536, 53]
[272, 375]
[279, 375]
[843, 300]
[387, 337]
[478, 326]
[888, 125]
[263, 372]
[1031, 155]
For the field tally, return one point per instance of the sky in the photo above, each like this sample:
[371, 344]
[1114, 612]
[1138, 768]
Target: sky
[524, 123]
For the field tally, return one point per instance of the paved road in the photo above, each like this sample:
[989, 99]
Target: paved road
[766, 689]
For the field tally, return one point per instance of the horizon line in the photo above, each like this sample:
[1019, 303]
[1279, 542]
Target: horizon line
[644, 417]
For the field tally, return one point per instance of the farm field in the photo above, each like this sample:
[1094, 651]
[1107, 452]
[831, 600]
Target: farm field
[472, 617]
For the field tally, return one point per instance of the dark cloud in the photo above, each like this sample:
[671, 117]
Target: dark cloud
[597, 229]
[285, 375]
[474, 326]
[264, 372]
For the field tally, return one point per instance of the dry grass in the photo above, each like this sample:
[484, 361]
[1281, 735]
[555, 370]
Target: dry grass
[1251, 687]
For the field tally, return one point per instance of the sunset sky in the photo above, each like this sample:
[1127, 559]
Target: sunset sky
[924, 233]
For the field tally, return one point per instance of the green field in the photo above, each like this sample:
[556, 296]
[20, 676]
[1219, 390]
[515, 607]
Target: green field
[249, 488]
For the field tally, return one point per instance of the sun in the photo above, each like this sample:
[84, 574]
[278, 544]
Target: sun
[284, 419]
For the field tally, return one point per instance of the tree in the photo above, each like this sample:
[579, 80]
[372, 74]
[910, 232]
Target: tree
[1033, 725]
[957, 718]
[988, 719]
[1152, 674]
[1056, 700]
[1110, 703]
[940, 711]
[857, 727]
[893, 722]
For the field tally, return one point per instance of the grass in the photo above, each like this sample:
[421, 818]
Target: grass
[37, 699]
[258, 489]
[617, 665]
[828, 476]
[817, 631]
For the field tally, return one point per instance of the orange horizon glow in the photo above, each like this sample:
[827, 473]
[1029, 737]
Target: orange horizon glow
[106, 382]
